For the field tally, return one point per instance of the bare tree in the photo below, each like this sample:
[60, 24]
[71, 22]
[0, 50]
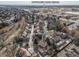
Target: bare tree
[31, 48]
[45, 31]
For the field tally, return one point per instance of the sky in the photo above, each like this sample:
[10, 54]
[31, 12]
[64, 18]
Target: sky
[30, 3]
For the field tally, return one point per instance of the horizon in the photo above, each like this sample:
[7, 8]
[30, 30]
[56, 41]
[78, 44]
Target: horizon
[38, 4]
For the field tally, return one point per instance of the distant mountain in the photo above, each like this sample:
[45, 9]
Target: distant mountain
[39, 6]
